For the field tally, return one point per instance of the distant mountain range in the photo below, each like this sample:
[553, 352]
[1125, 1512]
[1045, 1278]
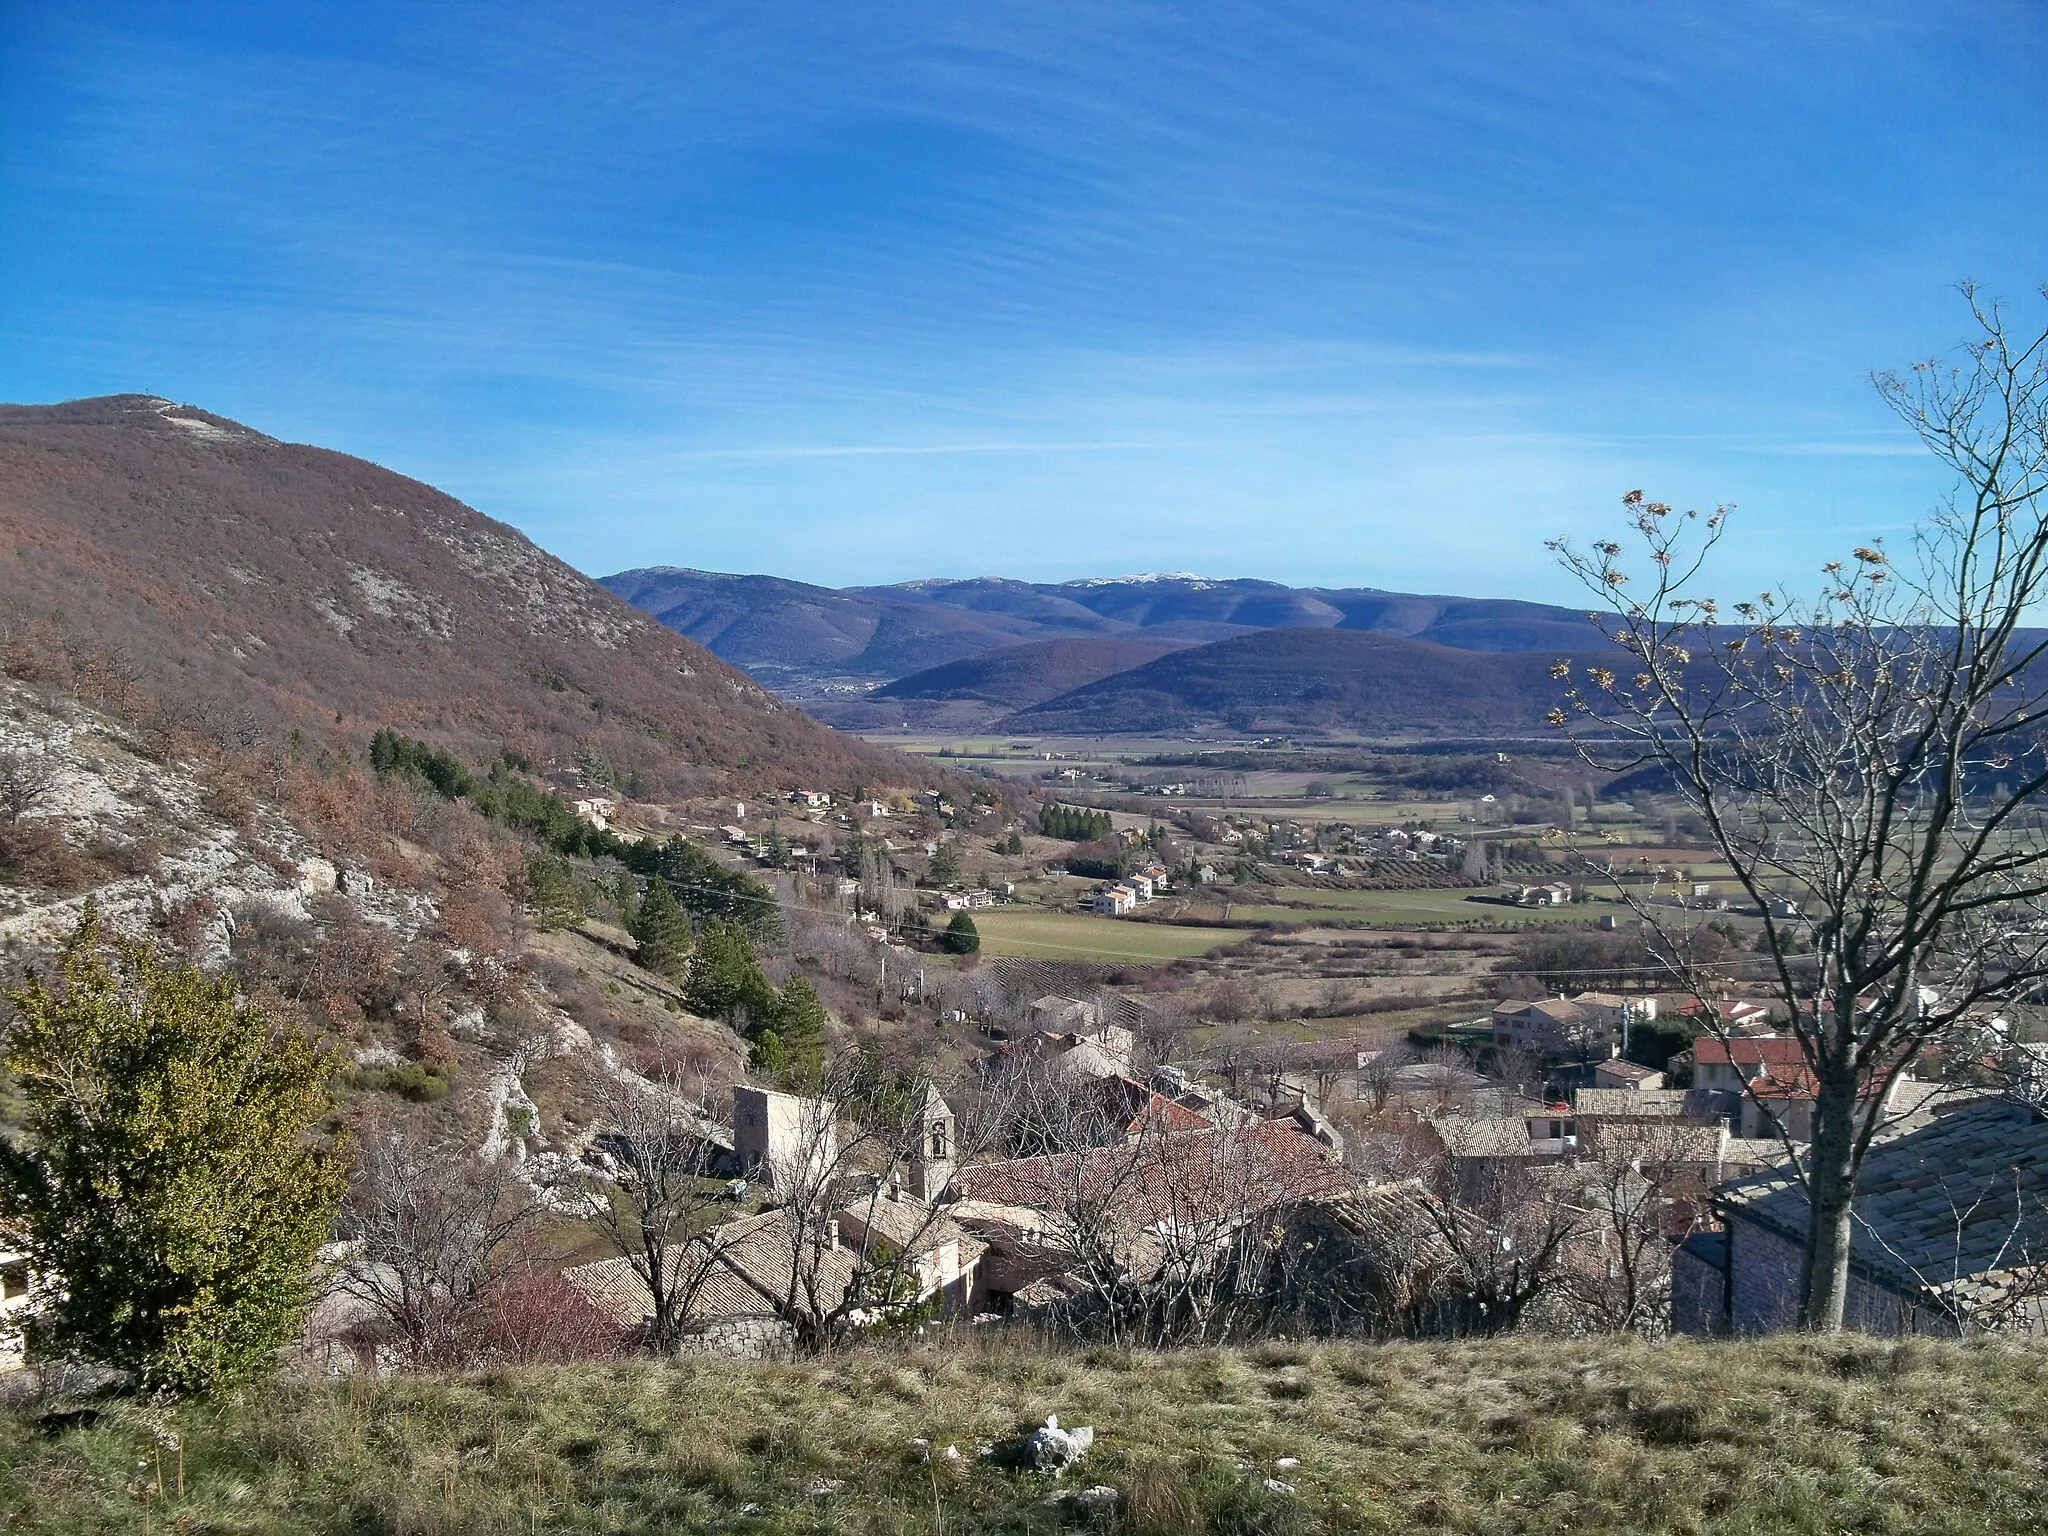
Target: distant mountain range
[247, 584]
[880, 634]
[1310, 681]
[1137, 654]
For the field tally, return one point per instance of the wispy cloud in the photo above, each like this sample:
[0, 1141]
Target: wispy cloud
[1369, 293]
[916, 450]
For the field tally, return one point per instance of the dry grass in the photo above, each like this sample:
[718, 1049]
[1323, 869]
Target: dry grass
[1507, 1436]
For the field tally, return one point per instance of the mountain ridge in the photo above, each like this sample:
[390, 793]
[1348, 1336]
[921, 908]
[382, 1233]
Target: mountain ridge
[233, 572]
[1320, 681]
[798, 635]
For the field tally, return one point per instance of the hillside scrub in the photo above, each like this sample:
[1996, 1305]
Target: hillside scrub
[1516, 1435]
[167, 1196]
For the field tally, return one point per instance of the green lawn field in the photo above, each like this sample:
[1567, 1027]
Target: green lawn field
[1077, 936]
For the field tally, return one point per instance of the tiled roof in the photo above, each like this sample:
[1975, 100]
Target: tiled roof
[914, 1227]
[748, 1266]
[1772, 1051]
[1633, 1070]
[1484, 1136]
[1644, 1103]
[1942, 1207]
[1191, 1176]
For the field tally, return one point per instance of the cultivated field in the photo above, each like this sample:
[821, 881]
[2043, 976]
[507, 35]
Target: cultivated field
[1406, 909]
[1077, 936]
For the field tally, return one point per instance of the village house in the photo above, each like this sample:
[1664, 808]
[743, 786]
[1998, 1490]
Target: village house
[1598, 1106]
[1113, 901]
[1950, 1233]
[1088, 1049]
[1053, 1222]
[1777, 1090]
[1627, 1075]
[1476, 1144]
[1560, 1027]
[748, 1282]
[596, 810]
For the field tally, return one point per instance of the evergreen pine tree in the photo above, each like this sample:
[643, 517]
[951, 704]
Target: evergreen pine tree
[551, 891]
[663, 932]
[793, 1048]
[945, 866]
[726, 981]
[962, 937]
[166, 1192]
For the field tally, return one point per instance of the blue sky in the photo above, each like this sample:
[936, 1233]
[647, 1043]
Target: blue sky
[1332, 294]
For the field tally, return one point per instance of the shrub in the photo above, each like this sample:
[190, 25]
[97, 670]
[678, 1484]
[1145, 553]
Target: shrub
[167, 1191]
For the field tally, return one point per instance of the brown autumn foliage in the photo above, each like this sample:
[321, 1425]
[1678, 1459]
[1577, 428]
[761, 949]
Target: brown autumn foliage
[219, 586]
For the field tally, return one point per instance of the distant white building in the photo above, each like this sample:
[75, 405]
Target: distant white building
[596, 810]
[1114, 901]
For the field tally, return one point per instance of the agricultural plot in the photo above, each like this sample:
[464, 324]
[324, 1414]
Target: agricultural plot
[1076, 936]
[1419, 908]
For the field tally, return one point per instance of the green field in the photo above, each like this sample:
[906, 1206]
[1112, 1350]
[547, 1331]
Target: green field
[1077, 936]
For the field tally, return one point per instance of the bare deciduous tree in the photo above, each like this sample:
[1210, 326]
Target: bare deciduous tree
[28, 775]
[1870, 760]
[1506, 1226]
[663, 1194]
[435, 1232]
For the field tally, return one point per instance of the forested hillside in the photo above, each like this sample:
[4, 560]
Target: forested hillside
[786, 629]
[164, 559]
[1289, 680]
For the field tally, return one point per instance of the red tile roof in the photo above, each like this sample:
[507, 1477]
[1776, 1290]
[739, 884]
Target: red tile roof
[1768, 1052]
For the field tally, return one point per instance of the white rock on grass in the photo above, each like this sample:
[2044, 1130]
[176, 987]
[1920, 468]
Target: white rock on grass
[1099, 1500]
[1054, 1449]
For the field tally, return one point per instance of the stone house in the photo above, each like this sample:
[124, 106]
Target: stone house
[1627, 1075]
[750, 1279]
[775, 1135]
[1950, 1235]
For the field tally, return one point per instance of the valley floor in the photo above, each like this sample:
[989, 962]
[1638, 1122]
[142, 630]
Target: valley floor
[1509, 1435]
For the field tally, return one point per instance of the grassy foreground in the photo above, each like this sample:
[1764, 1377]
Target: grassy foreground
[1513, 1435]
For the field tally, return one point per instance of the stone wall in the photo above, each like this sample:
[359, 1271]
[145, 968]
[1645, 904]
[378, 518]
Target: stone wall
[1698, 1285]
[1764, 1293]
[740, 1338]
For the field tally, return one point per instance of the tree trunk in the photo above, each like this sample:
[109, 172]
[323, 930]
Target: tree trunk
[1830, 1184]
